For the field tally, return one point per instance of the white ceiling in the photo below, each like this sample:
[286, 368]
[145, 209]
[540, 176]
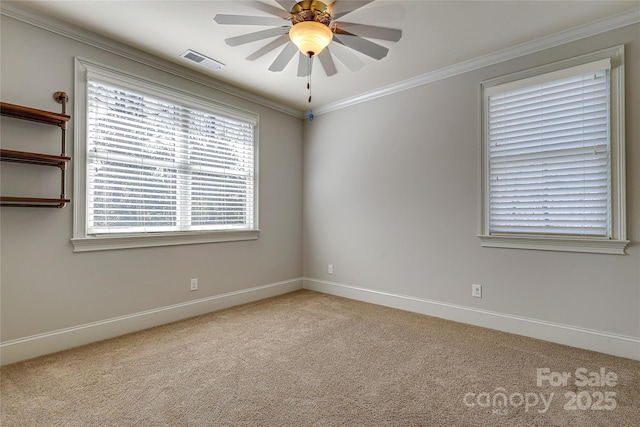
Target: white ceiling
[436, 34]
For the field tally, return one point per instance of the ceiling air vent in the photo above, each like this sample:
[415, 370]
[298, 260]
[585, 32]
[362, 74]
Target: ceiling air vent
[202, 60]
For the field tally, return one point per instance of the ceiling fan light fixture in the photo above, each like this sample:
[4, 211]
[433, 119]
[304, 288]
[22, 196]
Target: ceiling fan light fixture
[311, 37]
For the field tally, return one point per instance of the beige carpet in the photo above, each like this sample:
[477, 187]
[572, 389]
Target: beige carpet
[309, 359]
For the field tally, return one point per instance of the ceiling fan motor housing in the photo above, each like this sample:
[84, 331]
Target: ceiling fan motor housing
[311, 10]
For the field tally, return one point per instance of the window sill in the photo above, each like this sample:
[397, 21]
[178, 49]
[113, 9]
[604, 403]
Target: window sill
[105, 243]
[562, 244]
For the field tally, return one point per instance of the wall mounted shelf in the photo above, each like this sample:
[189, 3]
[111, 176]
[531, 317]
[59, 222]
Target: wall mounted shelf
[39, 159]
[41, 116]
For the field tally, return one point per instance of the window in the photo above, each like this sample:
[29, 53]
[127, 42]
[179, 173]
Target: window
[158, 166]
[553, 157]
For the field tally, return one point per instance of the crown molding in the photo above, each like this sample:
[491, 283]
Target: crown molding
[56, 26]
[547, 42]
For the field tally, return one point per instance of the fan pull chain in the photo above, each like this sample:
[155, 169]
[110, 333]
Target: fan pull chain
[309, 75]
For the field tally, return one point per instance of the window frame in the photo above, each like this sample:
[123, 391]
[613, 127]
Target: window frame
[617, 243]
[81, 240]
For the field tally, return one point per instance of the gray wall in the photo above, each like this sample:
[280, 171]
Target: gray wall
[391, 199]
[47, 287]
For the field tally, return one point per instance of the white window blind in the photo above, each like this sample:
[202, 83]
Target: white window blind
[155, 165]
[549, 154]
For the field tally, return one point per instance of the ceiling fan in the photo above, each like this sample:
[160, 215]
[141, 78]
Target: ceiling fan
[307, 28]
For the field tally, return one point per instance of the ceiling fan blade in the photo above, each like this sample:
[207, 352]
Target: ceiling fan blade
[340, 8]
[327, 62]
[258, 35]
[285, 14]
[348, 58]
[284, 57]
[371, 31]
[268, 47]
[369, 48]
[304, 65]
[286, 4]
[224, 19]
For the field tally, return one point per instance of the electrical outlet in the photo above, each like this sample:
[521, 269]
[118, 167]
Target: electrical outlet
[330, 269]
[194, 284]
[476, 291]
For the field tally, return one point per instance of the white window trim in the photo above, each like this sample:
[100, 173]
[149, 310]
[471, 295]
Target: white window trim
[82, 242]
[618, 242]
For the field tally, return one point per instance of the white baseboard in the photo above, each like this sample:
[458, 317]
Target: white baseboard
[603, 342]
[50, 342]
